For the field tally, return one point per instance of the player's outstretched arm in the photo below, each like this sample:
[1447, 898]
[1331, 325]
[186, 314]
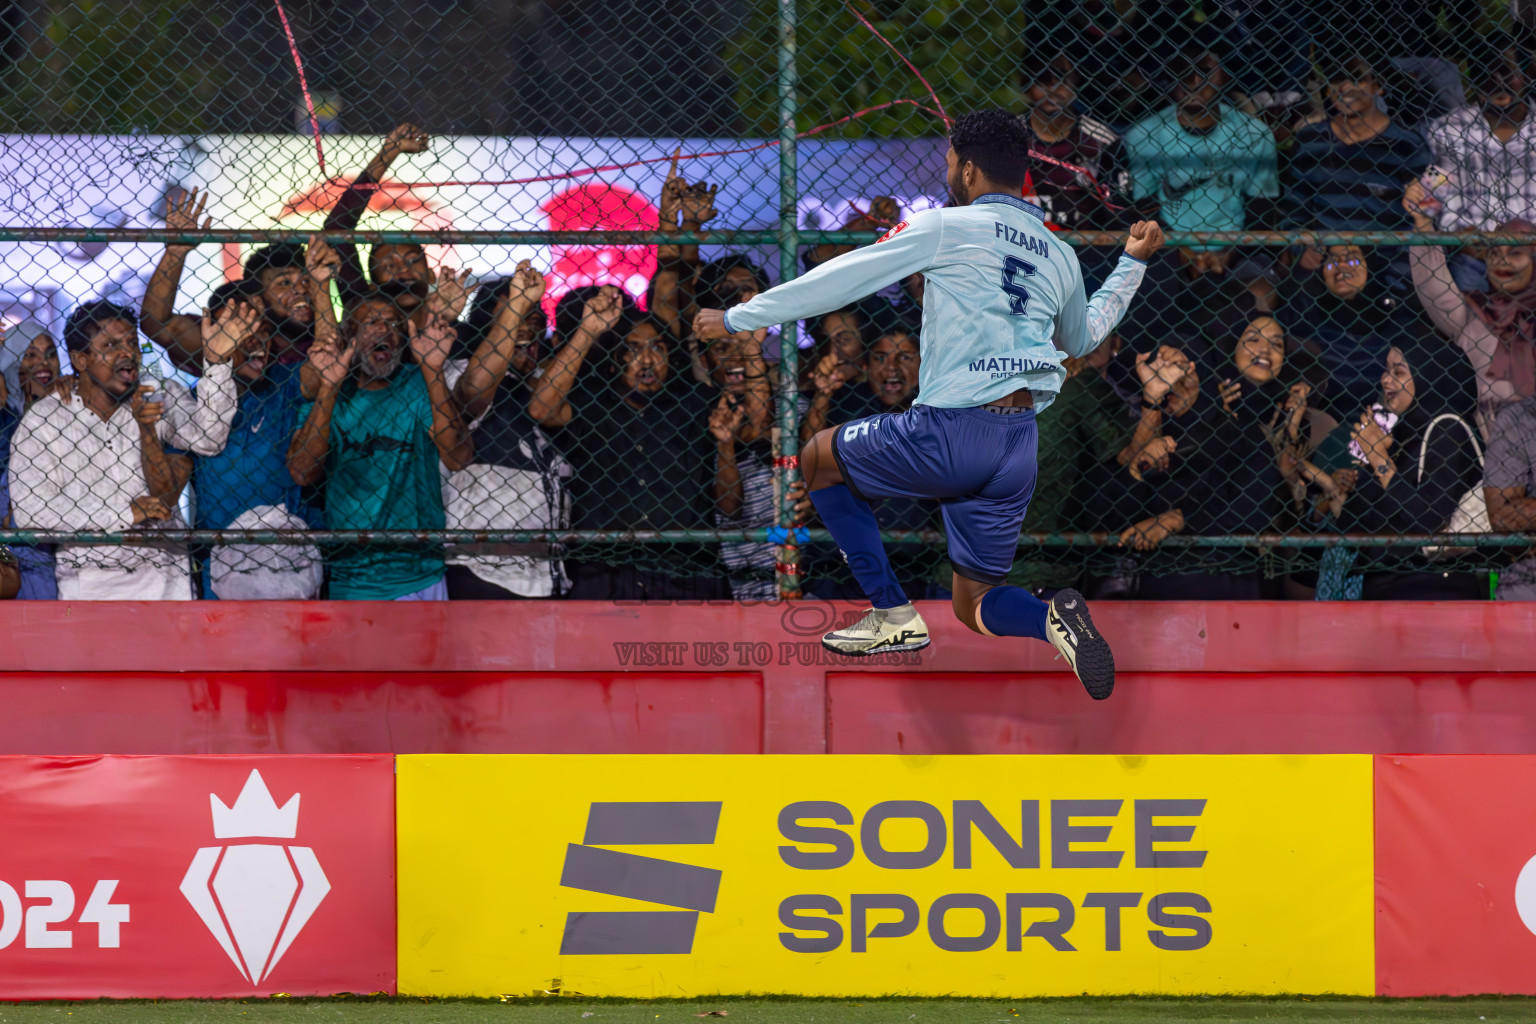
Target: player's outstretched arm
[1109, 304]
[905, 249]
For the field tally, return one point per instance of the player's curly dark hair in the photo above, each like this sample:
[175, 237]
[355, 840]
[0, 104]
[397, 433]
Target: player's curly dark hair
[996, 142]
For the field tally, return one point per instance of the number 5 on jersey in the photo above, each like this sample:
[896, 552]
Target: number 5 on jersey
[1018, 296]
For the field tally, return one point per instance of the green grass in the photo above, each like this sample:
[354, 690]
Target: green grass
[782, 1011]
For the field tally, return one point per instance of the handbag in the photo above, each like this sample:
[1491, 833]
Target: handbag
[1471, 512]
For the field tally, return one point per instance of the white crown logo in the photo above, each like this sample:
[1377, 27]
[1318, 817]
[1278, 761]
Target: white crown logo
[255, 813]
[255, 897]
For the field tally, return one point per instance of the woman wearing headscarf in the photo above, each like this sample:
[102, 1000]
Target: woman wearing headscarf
[1346, 315]
[29, 361]
[1222, 476]
[1497, 328]
[1403, 465]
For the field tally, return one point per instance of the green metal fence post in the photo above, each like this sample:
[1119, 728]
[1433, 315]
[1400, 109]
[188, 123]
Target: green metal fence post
[787, 467]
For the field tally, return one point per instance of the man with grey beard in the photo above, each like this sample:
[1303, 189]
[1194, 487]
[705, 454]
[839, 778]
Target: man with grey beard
[375, 434]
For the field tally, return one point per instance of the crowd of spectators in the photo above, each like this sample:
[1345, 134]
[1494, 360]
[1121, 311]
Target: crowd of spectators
[1308, 390]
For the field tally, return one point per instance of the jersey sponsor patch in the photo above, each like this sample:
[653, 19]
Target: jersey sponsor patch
[893, 232]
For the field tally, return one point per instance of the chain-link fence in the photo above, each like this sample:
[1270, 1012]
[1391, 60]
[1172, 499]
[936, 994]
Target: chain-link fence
[369, 300]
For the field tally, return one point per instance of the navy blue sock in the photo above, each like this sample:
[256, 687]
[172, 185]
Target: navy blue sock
[1011, 611]
[852, 524]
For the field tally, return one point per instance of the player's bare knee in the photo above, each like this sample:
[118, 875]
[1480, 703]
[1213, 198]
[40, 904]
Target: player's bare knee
[820, 469]
[964, 606]
[810, 462]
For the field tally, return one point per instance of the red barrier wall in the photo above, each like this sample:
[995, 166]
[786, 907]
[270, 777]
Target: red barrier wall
[176, 877]
[1455, 875]
[569, 677]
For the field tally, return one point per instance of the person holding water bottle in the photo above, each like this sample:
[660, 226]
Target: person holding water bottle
[110, 455]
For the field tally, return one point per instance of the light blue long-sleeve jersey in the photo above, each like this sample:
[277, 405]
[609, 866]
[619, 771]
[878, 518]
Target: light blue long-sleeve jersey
[1003, 299]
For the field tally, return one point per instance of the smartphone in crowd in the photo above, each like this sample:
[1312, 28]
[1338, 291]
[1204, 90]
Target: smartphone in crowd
[1386, 419]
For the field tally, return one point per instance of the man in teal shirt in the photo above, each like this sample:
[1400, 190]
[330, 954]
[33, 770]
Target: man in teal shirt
[375, 434]
[1201, 158]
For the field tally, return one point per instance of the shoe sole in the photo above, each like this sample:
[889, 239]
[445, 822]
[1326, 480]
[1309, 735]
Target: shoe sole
[1095, 661]
[889, 649]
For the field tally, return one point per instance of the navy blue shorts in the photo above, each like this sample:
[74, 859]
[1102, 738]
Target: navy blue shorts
[980, 466]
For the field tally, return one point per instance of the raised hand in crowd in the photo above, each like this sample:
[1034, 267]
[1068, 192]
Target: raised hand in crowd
[177, 333]
[1159, 372]
[325, 370]
[1330, 495]
[725, 423]
[825, 377]
[683, 207]
[405, 138]
[489, 363]
[1375, 443]
[1155, 456]
[331, 363]
[322, 263]
[1287, 419]
[63, 389]
[1145, 239]
[321, 260]
[1168, 385]
[145, 412]
[451, 293]
[164, 472]
[432, 342]
[1420, 205]
[528, 287]
[692, 204]
[148, 509]
[599, 314]
[725, 420]
[669, 204]
[224, 334]
[1312, 254]
[698, 205]
[1149, 533]
[825, 382]
[350, 206]
[799, 497]
[1231, 391]
[602, 311]
[184, 215]
[884, 212]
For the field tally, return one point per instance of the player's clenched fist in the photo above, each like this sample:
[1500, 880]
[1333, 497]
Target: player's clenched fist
[1146, 238]
[709, 325]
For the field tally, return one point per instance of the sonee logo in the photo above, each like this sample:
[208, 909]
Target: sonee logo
[255, 897]
[687, 886]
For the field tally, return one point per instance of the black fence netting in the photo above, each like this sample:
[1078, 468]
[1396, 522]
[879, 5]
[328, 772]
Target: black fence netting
[368, 300]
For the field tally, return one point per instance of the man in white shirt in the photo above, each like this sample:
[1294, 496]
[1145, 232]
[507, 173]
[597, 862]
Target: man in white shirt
[1488, 151]
[111, 457]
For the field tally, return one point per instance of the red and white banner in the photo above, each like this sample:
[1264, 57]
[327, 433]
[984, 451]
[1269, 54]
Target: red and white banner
[1455, 875]
[196, 876]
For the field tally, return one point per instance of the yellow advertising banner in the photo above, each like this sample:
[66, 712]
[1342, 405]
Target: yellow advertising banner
[652, 875]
